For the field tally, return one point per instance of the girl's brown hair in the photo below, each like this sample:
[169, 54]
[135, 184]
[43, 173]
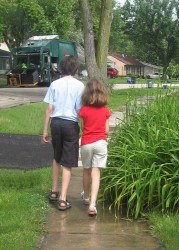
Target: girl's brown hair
[95, 94]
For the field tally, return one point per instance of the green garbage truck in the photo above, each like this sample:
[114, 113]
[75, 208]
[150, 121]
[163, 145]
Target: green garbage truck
[36, 62]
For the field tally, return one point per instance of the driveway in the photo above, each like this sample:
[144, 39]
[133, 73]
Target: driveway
[10, 97]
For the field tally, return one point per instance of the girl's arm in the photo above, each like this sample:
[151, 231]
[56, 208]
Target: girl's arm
[107, 126]
[81, 127]
[81, 124]
[49, 111]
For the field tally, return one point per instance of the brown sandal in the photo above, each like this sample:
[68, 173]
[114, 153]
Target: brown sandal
[53, 196]
[64, 207]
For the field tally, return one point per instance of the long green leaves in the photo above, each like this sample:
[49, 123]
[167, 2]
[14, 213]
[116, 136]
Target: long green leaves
[143, 161]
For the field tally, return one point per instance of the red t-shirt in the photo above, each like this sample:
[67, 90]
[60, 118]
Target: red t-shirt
[94, 123]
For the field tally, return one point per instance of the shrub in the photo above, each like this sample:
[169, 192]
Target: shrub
[143, 159]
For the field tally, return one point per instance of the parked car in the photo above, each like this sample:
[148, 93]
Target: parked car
[112, 72]
[155, 75]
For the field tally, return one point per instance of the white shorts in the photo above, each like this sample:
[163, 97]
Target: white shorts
[94, 154]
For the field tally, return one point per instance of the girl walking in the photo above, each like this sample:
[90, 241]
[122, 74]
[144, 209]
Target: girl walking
[95, 126]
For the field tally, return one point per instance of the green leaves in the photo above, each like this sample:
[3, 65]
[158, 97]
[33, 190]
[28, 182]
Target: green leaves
[35, 17]
[143, 158]
[153, 28]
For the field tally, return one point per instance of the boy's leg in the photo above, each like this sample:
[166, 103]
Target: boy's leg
[55, 176]
[86, 181]
[95, 177]
[66, 177]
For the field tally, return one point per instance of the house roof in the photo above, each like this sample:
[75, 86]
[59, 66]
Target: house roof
[151, 65]
[4, 47]
[126, 59]
[4, 53]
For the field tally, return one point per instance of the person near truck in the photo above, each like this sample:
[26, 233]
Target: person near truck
[64, 101]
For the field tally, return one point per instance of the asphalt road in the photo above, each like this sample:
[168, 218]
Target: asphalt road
[23, 151]
[33, 94]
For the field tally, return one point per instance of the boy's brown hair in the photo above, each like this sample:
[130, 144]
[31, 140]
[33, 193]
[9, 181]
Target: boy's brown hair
[95, 94]
[69, 65]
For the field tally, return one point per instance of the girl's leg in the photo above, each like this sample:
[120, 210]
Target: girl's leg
[95, 177]
[86, 181]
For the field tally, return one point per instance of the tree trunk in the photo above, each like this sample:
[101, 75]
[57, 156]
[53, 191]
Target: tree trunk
[92, 68]
[97, 62]
[103, 38]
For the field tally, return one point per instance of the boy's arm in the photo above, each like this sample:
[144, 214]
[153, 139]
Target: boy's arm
[48, 112]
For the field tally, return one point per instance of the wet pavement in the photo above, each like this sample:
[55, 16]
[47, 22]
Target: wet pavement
[74, 229]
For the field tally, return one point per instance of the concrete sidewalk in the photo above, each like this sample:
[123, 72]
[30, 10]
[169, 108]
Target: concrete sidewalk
[11, 101]
[74, 229]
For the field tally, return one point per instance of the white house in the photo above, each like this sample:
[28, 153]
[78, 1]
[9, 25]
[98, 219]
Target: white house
[5, 58]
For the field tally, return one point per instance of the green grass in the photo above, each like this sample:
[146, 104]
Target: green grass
[23, 207]
[166, 227]
[123, 80]
[29, 119]
[3, 81]
[26, 119]
[121, 97]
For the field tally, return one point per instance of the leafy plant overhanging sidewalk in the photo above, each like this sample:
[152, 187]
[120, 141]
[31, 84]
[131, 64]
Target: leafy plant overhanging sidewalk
[143, 173]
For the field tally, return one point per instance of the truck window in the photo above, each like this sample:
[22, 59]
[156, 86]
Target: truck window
[19, 60]
[46, 59]
[34, 61]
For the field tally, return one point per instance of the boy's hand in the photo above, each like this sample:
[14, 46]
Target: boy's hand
[46, 138]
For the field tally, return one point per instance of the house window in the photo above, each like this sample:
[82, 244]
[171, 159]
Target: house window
[4, 63]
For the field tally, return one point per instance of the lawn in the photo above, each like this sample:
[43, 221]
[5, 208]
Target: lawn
[3, 81]
[23, 207]
[23, 202]
[167, 228]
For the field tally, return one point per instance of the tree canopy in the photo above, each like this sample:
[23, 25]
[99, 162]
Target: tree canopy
[35, 17]
[146, 30]
[153, 28]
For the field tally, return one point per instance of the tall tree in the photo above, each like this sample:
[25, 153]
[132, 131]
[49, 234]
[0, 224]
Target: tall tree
[154, 30]
[59, 14]
[96, 57]
[36, 17]
[19, 20]
[119, 41]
